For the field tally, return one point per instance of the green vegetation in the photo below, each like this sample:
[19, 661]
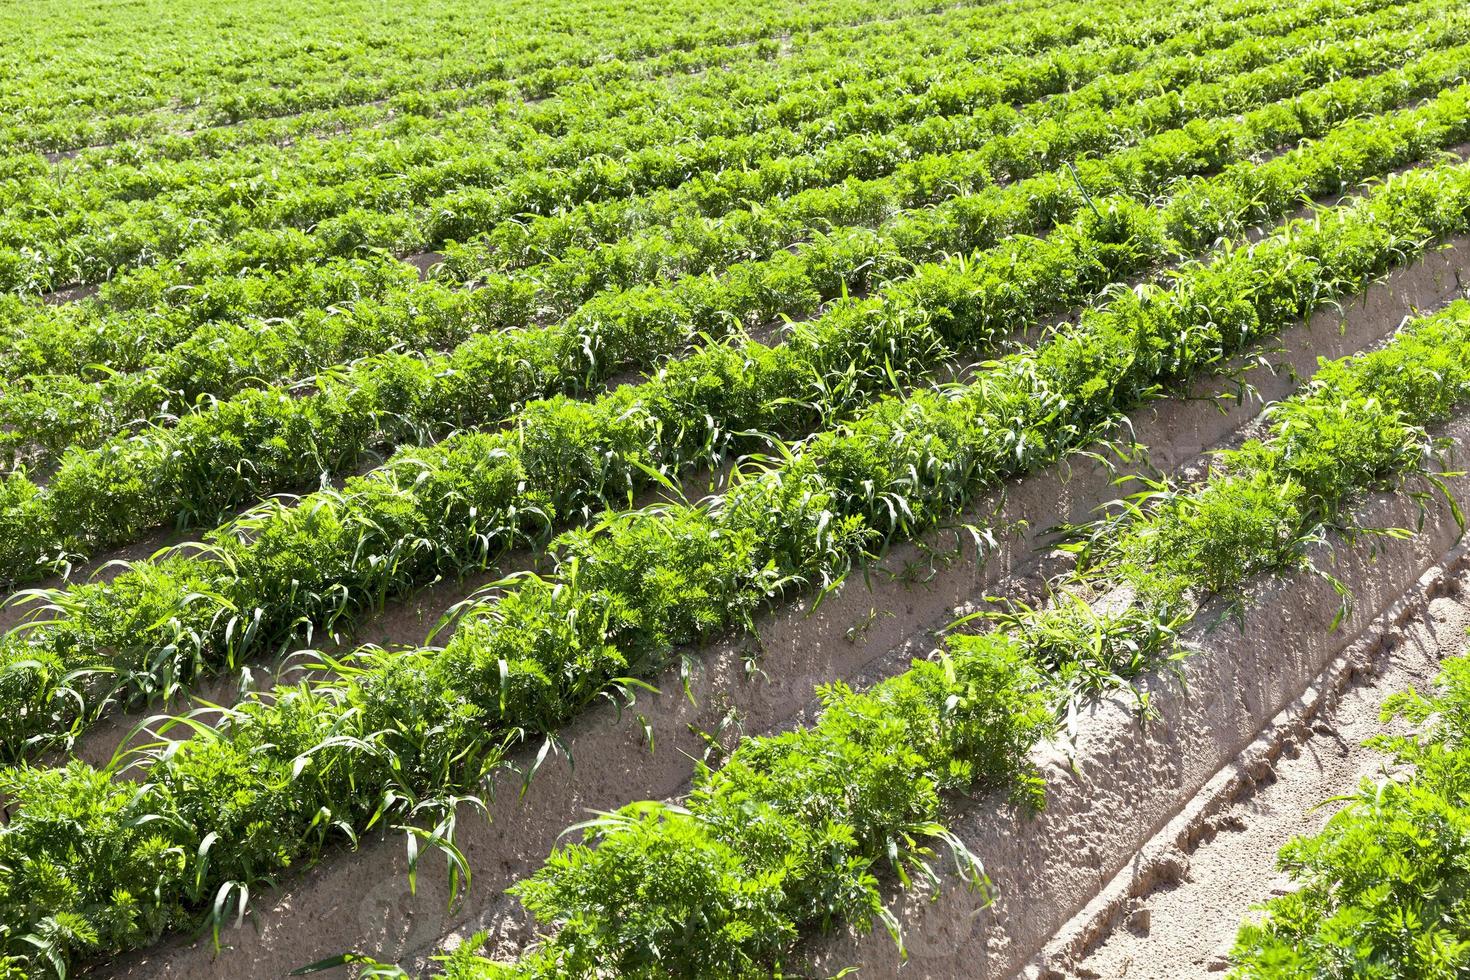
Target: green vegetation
[378, 298]
[401, 735]
[279, 575]
[789, 832]
[543, 266]
[270, 441]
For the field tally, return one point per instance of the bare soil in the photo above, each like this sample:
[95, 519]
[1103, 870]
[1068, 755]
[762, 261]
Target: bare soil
[1120, 784]
[1174, 913]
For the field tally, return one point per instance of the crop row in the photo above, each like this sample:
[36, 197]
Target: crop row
[472, 191]
[91, 238]
[397, 734]
[440, 310]
[50, 413]
[588, 109]
[335, 554]
[219, 359]
[792, 832]
[462, 503]
[416, 107]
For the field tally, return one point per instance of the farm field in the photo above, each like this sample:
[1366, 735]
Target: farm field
[619, 488]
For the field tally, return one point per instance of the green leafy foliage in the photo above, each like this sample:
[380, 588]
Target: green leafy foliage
[1359, 427]
[789, 831]
[637, 192]
[638, 324]
[283, 573]
[401, 736]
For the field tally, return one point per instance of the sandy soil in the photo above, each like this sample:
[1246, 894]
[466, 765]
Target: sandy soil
[1125, 794]
[1185, 925]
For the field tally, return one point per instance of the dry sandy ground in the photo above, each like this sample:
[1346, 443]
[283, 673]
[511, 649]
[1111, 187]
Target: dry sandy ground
[1185, 925]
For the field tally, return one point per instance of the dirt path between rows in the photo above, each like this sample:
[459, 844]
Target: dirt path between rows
[1185, 924]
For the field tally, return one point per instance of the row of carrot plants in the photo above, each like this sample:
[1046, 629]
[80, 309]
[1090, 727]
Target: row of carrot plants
[202, 185]
[423, 207]
[220, 358]
[795, 832]
[93, 239]
[325, 561]
[211, 271]
[396, 736]
[556, 88]
[44, 414]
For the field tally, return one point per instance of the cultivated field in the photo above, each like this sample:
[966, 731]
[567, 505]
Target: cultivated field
[602, 488]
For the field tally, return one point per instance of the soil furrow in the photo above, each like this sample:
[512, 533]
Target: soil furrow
[1173, 913]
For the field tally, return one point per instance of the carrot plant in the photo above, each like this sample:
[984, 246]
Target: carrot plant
[152, 310]
[1360, 426]
[856, 350]
[370, 407]
[45, 413]
[434, 202]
